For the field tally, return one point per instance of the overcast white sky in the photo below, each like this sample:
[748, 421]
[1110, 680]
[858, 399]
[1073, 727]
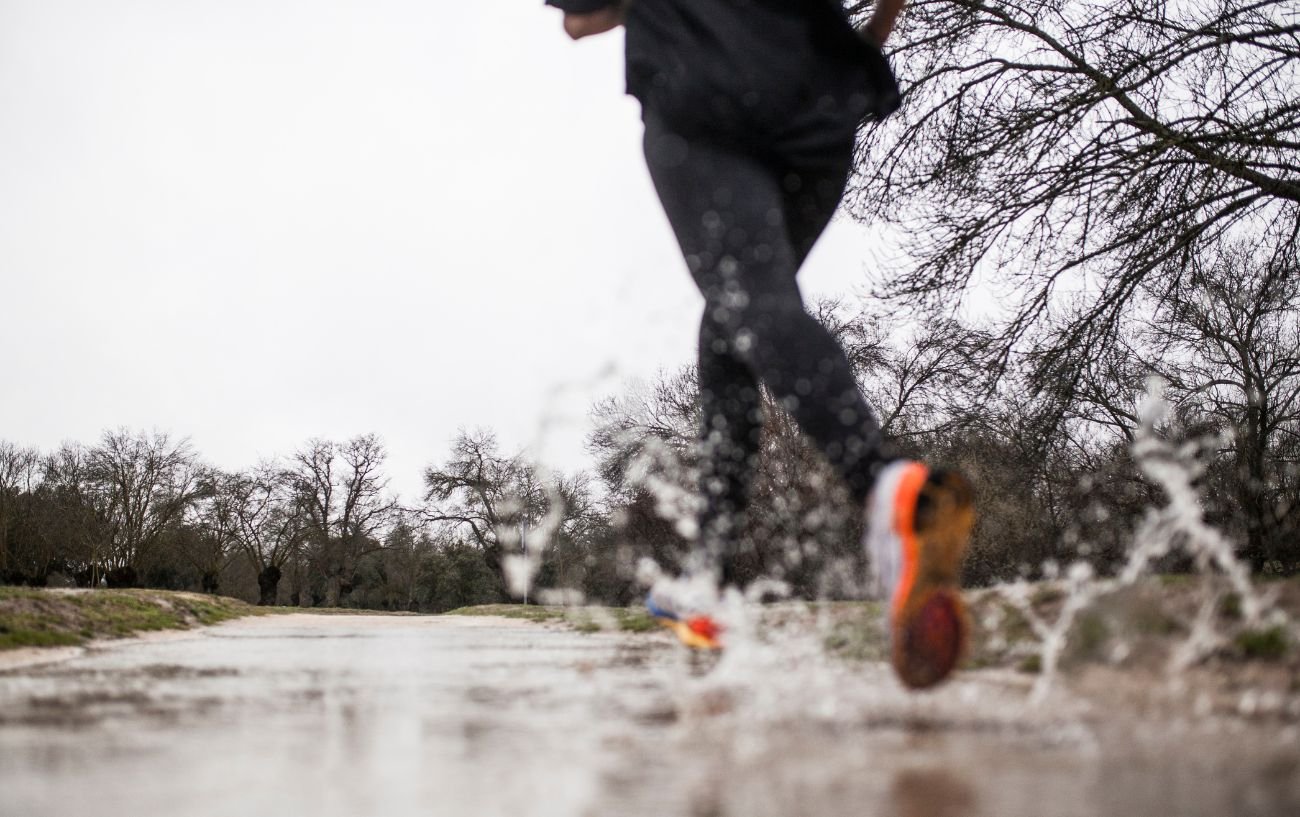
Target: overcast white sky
[251, 222]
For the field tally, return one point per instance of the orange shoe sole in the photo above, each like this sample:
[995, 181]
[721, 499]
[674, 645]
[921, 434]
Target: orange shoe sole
[933, 518]
[699, 633]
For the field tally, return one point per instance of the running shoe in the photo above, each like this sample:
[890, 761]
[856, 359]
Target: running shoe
[918, 526]
[696, 630]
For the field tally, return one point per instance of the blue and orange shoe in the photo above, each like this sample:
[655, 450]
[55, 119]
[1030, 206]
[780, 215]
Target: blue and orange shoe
[698, 631]
[918, 526]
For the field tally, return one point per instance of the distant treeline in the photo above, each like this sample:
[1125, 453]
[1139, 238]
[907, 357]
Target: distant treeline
[1052, 469]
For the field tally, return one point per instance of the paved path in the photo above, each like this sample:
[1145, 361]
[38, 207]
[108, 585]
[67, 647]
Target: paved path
[394, 716]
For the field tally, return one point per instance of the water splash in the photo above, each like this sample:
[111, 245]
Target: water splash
[1177, 525]
[658, 468]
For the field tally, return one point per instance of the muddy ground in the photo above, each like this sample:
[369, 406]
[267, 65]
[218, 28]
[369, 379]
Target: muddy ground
[328, 715]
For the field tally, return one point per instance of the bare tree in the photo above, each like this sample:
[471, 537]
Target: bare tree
[141, 483]
[340, 489]
[19, 473]
[493, 498]
[922, 382]
[577, 541]
[1228, 344]
[1067, 155]
[405, 548]
[645, 442]
[269, 521]
[72, 521]
[214, 520]
[663, 413]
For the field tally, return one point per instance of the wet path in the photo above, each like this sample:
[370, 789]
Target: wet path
[335, 715]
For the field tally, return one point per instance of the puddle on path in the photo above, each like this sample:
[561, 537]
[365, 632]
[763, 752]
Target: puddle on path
[431, 716]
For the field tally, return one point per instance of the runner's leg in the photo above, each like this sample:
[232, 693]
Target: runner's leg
[730, 429]
[812, 195]
[728, 210]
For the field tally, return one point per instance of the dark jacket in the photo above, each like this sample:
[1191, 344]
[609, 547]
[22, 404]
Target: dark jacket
[736, 46]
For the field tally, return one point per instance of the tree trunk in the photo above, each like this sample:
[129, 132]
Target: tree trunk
[122, 577]
[333, 589]
[1254, 489]
[268, 585]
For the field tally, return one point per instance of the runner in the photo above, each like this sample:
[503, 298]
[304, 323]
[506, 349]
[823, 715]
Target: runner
[751, 109]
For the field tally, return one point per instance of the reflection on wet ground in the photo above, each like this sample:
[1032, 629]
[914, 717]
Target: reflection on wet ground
[332, 715]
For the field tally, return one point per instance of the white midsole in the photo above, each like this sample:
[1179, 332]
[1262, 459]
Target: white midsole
[883, 544]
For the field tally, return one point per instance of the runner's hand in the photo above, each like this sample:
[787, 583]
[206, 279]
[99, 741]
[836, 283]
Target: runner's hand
[876, 33]
[881, 25]
[578, 26]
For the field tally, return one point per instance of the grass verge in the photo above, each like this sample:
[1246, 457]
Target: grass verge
[58, 618]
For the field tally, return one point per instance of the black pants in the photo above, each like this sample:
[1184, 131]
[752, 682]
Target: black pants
[747, 197]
